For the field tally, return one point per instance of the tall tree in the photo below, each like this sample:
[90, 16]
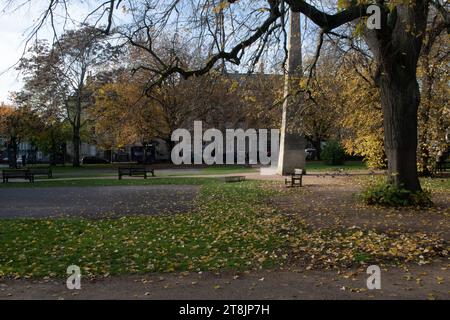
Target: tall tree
[58, 78]
[434, 112]
[124, 116]
[17, 125]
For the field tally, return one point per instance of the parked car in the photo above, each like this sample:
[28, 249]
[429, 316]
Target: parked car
[311, 153]
[94, 160]
[6, 161]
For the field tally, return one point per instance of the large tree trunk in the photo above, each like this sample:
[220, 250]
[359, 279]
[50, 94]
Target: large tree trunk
[400, 98]
[76, 133]
[397, 47]
[317, 144]
[76, 141]
[53, 152]
[14, 147]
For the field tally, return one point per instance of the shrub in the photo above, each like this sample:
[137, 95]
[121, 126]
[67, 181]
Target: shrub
[389, 195]
[370, 147]
[333, 153]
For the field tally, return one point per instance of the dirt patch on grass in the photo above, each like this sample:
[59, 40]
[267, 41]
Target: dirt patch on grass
[327, 202]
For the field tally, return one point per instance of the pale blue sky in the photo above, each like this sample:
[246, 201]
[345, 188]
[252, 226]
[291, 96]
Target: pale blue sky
[15, 27]
[12, 36]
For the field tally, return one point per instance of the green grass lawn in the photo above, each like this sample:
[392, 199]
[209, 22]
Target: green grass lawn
[233, 228]
[85, 171]
[109, 182]
[322, 166]
[108, 170]
[431, 184]
[69, 168]
[104, 170]
[436, 184]
[228, 170]
[230, 229]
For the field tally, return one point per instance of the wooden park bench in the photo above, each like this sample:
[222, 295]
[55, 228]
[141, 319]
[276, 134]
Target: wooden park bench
[135, 171]
[442, 166]
[234, 179]
[45, 171]
[296, 179]
[17, 174]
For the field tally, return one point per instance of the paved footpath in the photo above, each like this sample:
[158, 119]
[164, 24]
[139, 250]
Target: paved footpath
[418, 282]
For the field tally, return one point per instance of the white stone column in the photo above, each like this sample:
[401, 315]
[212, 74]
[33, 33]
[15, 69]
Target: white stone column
[292, 143]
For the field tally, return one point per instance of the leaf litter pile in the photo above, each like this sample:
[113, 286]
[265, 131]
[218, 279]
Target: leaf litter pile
[234, 227]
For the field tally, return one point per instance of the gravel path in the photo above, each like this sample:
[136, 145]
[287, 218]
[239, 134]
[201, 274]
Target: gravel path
[328, 202]
[96, 202]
